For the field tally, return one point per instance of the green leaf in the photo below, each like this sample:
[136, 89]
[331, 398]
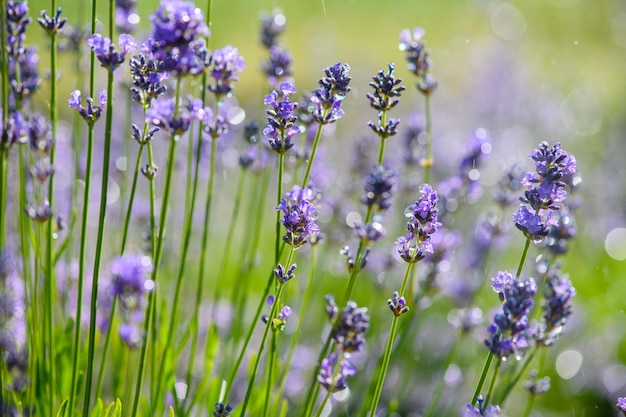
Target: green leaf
[62, 408]
[283, 408]
[97, 409]
[171, 411]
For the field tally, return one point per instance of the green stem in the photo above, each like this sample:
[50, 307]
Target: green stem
[518, 376]
[483, 375]
[316, 141]
[381, 149]
[281, 164]
[270, 371]
[522, 259]
[100, 237]
[496, 371]
[383, 369]
[157, 247]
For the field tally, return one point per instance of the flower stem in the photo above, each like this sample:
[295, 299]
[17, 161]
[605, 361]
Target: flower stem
[522, 259]
[429, 138]
[270, 371]
[309, 165]
[493, 381]
[518, 376]
[483, 375]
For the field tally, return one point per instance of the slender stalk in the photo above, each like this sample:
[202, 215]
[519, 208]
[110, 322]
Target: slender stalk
[270, 372]
[316, 141]
[523, 259]
[4, 153]
[493, 381]
[279, 186]
[100, 237]
[483, 376]
[518, 376]
[157, 247]
[432, 407]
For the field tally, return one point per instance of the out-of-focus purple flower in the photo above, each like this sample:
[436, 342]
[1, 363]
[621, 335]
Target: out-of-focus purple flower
[24, 73]
[421, 225]
[131, 334]
[51, 24]
[178, 28]
[380, 185]
[327, 377]
[215, 125]
[508, 331]
[331, 308]
[272, 25]
[15, 131]
[621, 404]
[126, 17]
[225, 64]
[489, 411]
[281, 119]
[42, 170]
[91, 113]
[131, 275]
[537, 386]
[326, 101]
[39, 212]
[12, 307]
[105, 51]
[277, 68]
[350, 328]
[176, 122]
[557, 307]
[562, 231]
[534, 226]
[397, 304]
[299, 217]
[16, 22]
[417, 58]
[40, 134]
[370, 232]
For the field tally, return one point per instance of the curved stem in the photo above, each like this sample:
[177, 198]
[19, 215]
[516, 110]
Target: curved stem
[518, 376]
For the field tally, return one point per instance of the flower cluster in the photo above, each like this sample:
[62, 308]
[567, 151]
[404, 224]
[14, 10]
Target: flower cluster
[131, 284]
[126, 18]
[222, 410]
[420, 227]
[546, 190]
[281, 119]
[178, 28]
[380, 186]
[105, 50]
[91, 113]
[621, 404]
[175, 121]
[224, 66]
[508, 331]
[557, 307]
[385, 97]
[327, 377]
[299, 216]
[417, 58]
[397, 304]
[326, 101]
[147, 78]
[51, 24]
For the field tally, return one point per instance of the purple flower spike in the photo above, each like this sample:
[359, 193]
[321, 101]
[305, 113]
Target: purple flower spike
[90, 113]
[281, 119]
[351, 326]
[299, 217]
[105, 51]
[334, 86]
[327, 372]
[380, 186]
[621, 404]
[417, 58]
[422, 224]
[225, 64]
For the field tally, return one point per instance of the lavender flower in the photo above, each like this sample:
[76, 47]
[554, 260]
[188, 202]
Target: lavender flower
[370, 232]
[417, 57]
[24, 73]
[15, 130]
[537, 386]
[40, 134]
[422, 224]
[39, 213]
[545, 190]
[386, 90]
[380, 185]
[283, 275]
[91, 113]
[563, 230]
[331, 308]
[277, 68]
[350, 328]
[131, 334]
[489, 411]
[222, 410]
[52, 25]
[326, 101]
[327, 378]
[12, 307]
[621, 404]
[281, 119]
[177, 30]
[176, 122]
[16, 22]
[397, 304]
[105, 50]
[272, 25]
[126, 18]
[508, 331]
[299, 217]
[557, 307]
[225, 64]
[42, 170]
[147, 79]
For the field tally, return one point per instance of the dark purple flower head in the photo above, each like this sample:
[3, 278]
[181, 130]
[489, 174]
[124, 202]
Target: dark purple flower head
[90, 113]
[350, 328]
[222, 410]
[105, 51]
[417, 58]
[281, 119]
[283, 275]
[621, 404]
[51, 24]
[508, 331]
[147, 78]
[327, 377]
[176, 122]
[299, 217]
[272, 25]
[326, 101]
[277, 68]
[225, 64]
[380, 185]
[17, 21]
[387, 89]
[397, 304]
[126, 17]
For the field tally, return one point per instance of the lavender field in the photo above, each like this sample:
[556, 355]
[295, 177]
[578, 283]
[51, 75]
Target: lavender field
[355, 208]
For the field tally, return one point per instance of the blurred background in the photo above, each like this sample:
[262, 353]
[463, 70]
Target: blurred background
[525, 71]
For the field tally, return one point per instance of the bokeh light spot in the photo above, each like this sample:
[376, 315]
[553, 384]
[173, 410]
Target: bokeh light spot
[568, 363]
[615, 244]
[507, 22]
